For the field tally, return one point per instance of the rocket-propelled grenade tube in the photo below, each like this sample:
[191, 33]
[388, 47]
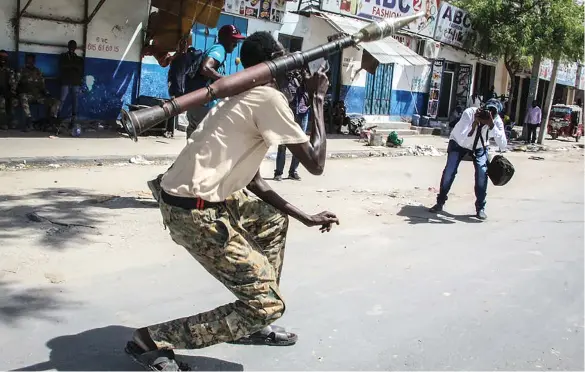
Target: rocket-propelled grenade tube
[139, 121]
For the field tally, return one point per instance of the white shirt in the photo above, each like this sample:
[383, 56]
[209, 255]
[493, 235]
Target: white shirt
[463, 128]
[533, 115]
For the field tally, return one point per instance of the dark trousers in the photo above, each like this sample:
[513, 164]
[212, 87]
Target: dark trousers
[531, 132]
[455, 154]
[302, 120]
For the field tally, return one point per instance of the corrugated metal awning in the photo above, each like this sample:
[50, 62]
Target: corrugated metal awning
[388, 50]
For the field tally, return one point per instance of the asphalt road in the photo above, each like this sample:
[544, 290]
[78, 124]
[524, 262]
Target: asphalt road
[393, 288]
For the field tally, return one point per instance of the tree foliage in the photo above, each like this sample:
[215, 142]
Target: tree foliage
[516, 30]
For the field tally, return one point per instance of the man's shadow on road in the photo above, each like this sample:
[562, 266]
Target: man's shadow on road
[102, 349]
[417, 214]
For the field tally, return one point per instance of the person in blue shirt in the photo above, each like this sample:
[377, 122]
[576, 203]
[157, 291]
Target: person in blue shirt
[212, 68]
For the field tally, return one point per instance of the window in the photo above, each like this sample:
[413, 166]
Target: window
[291, 43]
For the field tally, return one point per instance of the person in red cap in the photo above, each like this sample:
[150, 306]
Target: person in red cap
[212, 69]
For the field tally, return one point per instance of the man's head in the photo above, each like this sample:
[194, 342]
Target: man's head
[29, 60]
[260, 47]
[229, 36]
[3, 57]
[534, 103]
[494, 107]
[72, 46]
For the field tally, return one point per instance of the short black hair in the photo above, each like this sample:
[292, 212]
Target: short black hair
[29, 55]
[257, 48]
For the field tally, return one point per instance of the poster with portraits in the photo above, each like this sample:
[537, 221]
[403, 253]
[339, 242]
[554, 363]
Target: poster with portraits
[277, 11]
[435, 88]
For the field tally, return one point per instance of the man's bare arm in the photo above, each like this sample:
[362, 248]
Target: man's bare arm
[209, 69]
[312, 154]
[263, 190]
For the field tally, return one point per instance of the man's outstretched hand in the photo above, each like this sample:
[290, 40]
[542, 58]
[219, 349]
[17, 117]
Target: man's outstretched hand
[324, 219]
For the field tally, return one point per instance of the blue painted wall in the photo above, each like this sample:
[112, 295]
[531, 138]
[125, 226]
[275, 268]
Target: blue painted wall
[153, 80]
[402, 104]
[112, 85]
[354, 98]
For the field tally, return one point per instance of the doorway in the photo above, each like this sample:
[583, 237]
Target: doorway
[291, 43]
[379, 90]
[445, 94]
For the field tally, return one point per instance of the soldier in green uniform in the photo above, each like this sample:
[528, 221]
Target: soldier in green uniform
[31, 89]
[7, 91]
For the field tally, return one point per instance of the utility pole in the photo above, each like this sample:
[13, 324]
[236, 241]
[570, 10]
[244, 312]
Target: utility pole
[532, 90]
[549, 98]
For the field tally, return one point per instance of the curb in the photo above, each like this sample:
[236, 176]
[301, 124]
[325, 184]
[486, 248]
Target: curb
[71, 161]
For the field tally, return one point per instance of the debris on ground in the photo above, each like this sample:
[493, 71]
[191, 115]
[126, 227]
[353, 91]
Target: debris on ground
[54, 166]
[140, 160]
[422, 150]
[103, 199]
[393, 140]
[35, 217]
[536, 158]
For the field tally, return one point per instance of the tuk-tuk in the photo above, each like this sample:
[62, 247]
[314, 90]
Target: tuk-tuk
[565, 121]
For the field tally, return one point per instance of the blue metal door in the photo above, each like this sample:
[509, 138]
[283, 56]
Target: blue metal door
[204, 38]
[379, 91]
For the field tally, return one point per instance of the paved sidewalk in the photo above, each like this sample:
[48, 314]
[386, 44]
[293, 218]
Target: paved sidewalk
[111, 147]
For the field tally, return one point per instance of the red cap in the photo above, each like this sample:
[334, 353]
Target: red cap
[230, 31]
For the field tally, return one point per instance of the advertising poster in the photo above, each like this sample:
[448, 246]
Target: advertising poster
[453, 25]
[435, 88]
[265, 6]
[567, 74]
[380, 9]
[251, 8]
[545, 70]
[231, 6]
[463, 83]
[277, 10]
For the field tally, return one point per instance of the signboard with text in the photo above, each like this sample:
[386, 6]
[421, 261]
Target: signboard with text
[463, 84]
[566, 74]
[435, 88]
[380, 9]
[453, 25]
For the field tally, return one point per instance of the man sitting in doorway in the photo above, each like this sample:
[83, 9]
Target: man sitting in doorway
[31, 89]
[8, 98]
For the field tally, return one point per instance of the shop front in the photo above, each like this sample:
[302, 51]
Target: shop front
[248, 16]
[451, 78]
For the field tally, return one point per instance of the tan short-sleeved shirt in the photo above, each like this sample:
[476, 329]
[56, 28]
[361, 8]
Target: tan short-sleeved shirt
[224, 153]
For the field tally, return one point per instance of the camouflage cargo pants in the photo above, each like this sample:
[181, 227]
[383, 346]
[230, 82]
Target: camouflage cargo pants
[50, 103]
[3, 101]
[241, 243]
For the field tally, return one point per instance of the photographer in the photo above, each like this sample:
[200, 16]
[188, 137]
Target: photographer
[465, 139]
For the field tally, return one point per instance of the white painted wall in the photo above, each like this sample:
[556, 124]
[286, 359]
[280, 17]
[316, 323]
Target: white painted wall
[411, 78]
[7, 11]
[116, 32]
[118, 25]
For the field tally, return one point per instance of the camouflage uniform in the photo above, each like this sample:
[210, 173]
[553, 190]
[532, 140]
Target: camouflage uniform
[7, 93]
[31, 86]
[241, 243]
